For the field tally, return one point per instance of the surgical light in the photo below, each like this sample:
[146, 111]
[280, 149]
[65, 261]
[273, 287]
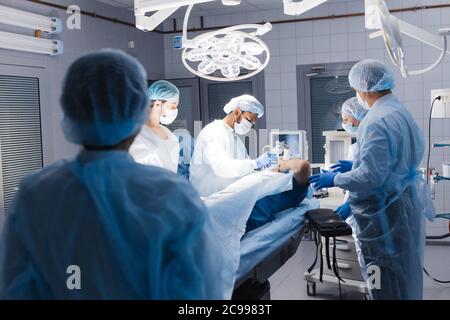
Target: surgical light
[28, 20]
[392, 30]
[18, 42]
[222, 55]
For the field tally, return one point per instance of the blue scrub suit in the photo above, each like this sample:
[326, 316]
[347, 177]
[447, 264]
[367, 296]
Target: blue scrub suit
[265, 209]
[135, 232]
[389, 200]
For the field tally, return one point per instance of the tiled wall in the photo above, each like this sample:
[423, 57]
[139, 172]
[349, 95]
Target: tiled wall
[95, 34]
[339, 40]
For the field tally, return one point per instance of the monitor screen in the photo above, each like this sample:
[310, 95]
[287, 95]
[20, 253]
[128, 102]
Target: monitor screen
[294, 140]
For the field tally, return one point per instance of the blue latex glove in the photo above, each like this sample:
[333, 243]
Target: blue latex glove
[344, 211]
[342, 166]
[265, 160]
[321, 181]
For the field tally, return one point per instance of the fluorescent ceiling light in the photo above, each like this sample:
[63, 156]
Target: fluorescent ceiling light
[18, 42]
[24, 19]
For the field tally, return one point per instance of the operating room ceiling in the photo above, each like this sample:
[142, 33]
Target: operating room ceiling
[213, 8]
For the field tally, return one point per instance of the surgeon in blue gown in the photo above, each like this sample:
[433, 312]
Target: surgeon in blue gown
[388, 197]
[101, 226]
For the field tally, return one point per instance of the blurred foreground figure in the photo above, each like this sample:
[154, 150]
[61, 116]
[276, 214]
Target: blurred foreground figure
[102, 226]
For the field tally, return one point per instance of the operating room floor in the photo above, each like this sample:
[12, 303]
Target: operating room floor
[288, 282]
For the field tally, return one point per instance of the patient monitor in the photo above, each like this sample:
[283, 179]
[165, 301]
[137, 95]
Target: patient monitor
[293, 144]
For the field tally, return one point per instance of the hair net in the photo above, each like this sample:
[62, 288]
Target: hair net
[245, 103]
[352, 108]
[104, 98]
[371, 76]
[164, 90]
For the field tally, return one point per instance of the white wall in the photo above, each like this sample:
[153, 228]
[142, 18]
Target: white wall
[341, 40]
[95, 34]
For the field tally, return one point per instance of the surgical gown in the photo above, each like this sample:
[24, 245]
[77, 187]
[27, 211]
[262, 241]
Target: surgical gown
[220, 158]
[150, 149]
[118, 222]
[388, 200]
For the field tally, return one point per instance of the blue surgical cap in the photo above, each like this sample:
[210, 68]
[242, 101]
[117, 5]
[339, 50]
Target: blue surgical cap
[164, 90]
[371, 76]
[245, 103]
[104, 98]
[352, 108]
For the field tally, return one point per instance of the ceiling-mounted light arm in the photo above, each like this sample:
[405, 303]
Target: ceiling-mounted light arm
[376, 8]
[438, 61]
[145, 23]
[414, 32]
[294, 8]
[163, 9]
[28, 20]
[186, 42]
[390, 28]
[421, 35]
[260, 30]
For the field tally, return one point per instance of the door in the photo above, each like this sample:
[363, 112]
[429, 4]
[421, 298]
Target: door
[215, 95]
[189, 106]
[23, 90]
[322, 89]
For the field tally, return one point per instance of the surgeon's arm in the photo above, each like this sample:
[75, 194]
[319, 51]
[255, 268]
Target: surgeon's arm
[223, 165]
[376, 156]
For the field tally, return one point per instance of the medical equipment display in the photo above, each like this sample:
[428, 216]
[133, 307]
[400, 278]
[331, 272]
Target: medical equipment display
[28, 20]
[392, 30]
[337, 144]
[18, 42]
[289, 144]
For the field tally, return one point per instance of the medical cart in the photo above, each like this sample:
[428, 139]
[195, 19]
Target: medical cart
[346, 257]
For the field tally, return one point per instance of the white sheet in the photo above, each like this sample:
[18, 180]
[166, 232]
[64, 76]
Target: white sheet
[230, 210]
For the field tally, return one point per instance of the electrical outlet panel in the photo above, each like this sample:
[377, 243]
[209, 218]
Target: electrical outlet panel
[441, 107]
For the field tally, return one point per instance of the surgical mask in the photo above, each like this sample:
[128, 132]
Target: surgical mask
[170, 117]
[243, 128]
[363, 103]
[349, 128]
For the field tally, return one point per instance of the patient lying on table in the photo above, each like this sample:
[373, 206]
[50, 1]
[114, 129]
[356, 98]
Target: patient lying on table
[265, 209]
